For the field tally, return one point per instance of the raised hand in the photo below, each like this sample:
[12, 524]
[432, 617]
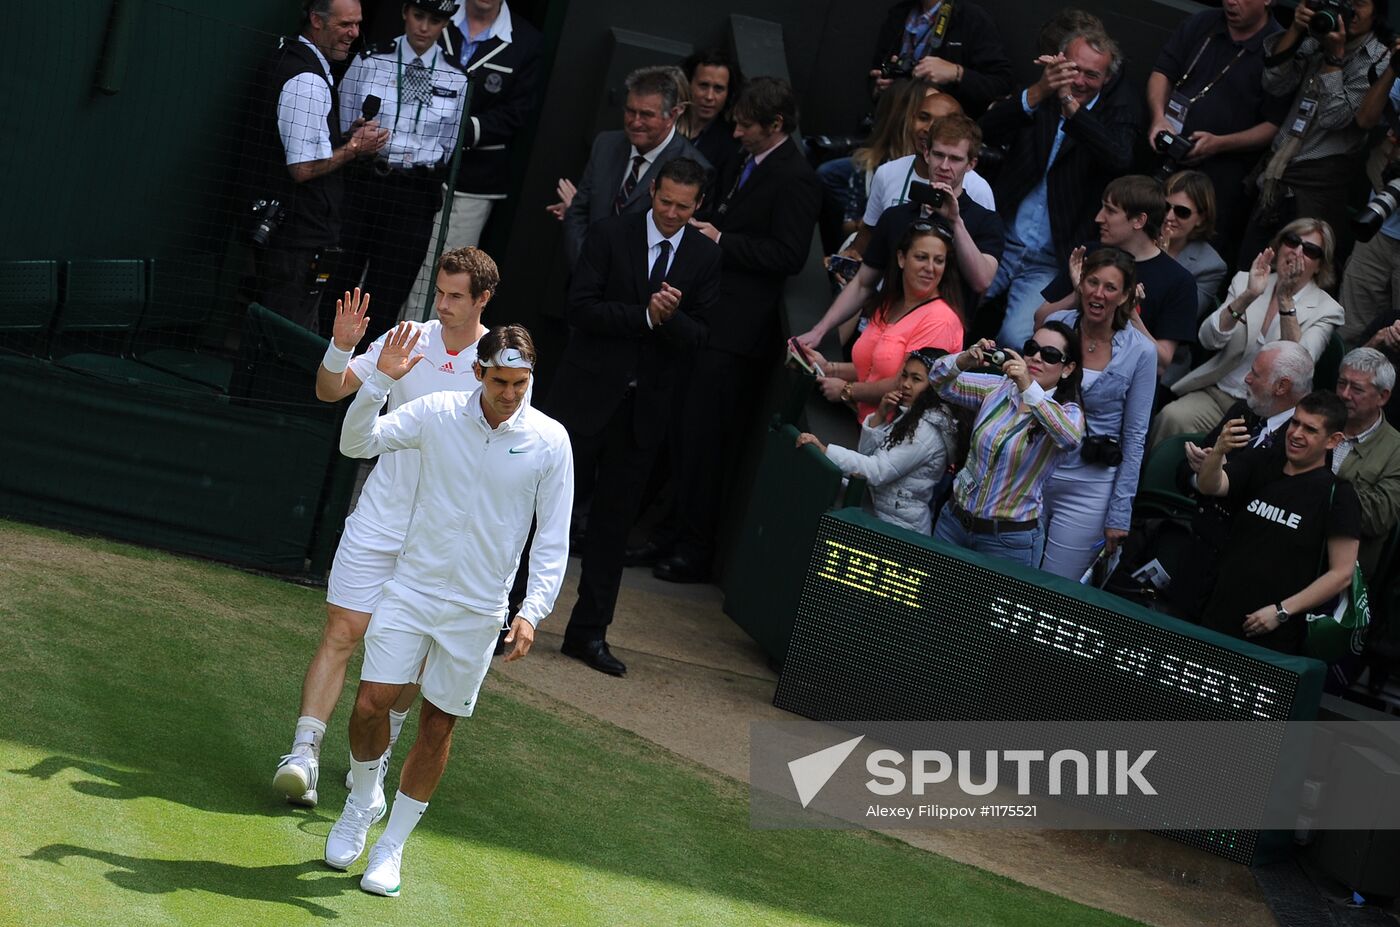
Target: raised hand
[350, 319]
[1233, 436]
[396, 358]
[1076, 265]
[1015, 368]
[1259, 271]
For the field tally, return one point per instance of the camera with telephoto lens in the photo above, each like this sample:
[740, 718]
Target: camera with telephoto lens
[1329, 15]
[898, 68]
[1101, 449]
[268, 214]
[1381, 207]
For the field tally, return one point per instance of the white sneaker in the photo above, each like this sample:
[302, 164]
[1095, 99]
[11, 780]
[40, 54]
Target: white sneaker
[346, 841]
[296, 778]
[382, 874]
[383, 770]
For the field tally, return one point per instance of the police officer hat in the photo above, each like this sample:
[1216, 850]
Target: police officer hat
[439, 7]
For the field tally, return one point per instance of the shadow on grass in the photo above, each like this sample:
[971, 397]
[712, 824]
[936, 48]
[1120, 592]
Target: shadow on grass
[276, 884]
[125, 785]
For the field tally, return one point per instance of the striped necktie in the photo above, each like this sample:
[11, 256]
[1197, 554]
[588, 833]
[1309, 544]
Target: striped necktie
[628, 185]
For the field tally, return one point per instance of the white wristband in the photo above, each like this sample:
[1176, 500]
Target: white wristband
[336, 360]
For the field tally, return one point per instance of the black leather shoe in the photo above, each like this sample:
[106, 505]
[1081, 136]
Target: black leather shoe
[647, 554]
[597, 655]
[677, 569]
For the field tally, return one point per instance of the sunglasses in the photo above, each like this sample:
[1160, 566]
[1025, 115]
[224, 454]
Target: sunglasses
[1048, 354]
[1182, 212]
[1311, 249]
[925, 226]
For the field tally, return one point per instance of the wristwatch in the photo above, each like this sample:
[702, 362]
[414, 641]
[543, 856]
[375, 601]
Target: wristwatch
[1288, 312]
[1280, 613]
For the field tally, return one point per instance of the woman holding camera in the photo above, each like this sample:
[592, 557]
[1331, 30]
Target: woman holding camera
[1028, 419]
[905, 446]
[1089, 498]
[1281, 297]
[1187, 231]
[918, 306]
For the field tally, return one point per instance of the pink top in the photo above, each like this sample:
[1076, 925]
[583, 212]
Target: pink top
[880, 351]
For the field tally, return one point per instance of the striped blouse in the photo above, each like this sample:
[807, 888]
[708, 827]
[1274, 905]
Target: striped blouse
[1012, 453]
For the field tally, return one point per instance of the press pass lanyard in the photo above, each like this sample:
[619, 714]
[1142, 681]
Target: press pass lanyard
[398, 88]
[1179, 102]
[908, 181]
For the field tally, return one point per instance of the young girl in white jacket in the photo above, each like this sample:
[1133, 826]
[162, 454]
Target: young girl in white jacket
[906, 445]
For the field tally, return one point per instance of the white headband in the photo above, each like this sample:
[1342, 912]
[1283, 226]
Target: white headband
[507, 357]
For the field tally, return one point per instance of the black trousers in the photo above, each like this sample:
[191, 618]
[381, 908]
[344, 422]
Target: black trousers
[287, 283]
[388, 225]
[620, 468]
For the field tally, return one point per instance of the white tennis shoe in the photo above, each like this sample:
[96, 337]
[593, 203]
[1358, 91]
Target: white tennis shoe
[296, 778]
[346, 841]
[382, 874]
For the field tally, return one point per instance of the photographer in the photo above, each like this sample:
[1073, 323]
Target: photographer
[1027, 422]
[1070, 133]
[977, 237]
[952, 44]
[295, 154]
[1207, 88]
[1369, 284]
[1309, 170]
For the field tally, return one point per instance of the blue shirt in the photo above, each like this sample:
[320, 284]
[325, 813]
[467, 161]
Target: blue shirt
[1119, 404]
[1391, 227]
[1032, 225]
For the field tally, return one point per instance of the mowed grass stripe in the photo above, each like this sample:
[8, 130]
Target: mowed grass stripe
[148, 697]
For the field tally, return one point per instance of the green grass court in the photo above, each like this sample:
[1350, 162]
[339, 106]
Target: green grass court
[147, 698]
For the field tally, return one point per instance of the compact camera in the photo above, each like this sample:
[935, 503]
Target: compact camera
[1175, 147]
[898, 68]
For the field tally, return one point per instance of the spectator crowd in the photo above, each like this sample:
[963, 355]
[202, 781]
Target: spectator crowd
[1040, 292]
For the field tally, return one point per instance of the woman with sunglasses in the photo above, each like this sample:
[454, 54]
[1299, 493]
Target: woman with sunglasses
[905, 446]
[918, 305]
[1028, 419]
[1088, 500]
[1187, 231]
[1280, 298]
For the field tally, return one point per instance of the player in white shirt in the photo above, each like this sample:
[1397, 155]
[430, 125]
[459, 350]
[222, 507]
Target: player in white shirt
[490, 463]
[374, 532]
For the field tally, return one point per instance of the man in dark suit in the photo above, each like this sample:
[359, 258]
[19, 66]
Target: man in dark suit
[1070, 133]
[623, 164]
[641, 292]
[763, 224]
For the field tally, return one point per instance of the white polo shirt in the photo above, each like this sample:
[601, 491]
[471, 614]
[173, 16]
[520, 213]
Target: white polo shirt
[478, 489]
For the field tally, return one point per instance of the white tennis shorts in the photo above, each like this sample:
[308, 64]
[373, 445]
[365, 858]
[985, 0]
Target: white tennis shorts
[409, 626]
[364, 562]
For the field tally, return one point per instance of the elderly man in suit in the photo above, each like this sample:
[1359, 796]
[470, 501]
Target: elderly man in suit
[623, 164]
[763, 222]
[641, 292]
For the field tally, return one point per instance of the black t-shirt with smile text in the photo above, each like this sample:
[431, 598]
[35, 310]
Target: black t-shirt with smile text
[1277, 541]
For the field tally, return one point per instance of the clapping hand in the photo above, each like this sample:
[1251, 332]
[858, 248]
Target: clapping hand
[1259, 272]
[1195, 456]
[350, 319]
[566, 190]
[396, 358]
[663, 304]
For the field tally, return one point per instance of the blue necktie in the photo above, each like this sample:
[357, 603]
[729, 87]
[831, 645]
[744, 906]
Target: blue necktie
[748, 169]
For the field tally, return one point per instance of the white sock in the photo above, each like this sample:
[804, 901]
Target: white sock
[396, 720]
[309, 733]
[364, 782]
[403, 817]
